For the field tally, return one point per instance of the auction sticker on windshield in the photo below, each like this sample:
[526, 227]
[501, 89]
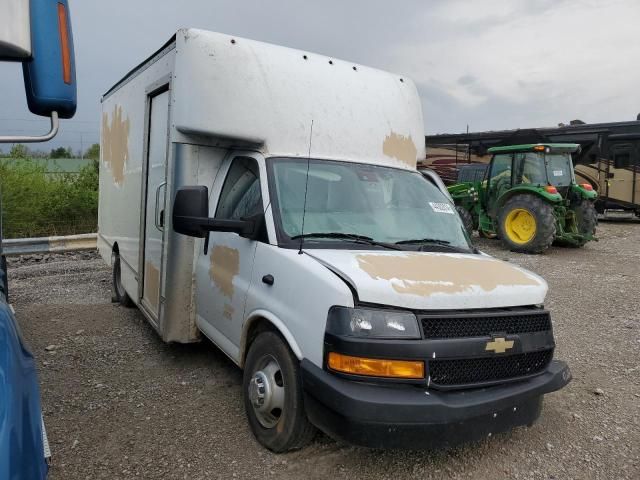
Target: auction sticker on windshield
[441, 207]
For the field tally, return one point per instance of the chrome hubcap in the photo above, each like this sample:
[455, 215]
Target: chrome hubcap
[266, 392]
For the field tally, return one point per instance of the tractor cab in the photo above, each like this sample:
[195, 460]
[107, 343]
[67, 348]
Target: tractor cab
[548, 167]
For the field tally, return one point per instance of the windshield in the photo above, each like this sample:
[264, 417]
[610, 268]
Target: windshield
[543, 169]
[351, 200]
[559, 169]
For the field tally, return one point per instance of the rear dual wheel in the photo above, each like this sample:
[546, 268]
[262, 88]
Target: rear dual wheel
[527, 224]
[118, 293]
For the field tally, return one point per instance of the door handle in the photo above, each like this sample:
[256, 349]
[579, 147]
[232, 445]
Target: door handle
[159, 214]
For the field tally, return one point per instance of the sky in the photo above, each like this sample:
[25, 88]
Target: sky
[488, 65]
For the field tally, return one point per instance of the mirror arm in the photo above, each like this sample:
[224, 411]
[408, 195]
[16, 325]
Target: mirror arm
[218, 225]
[55, 123]
[206, 244]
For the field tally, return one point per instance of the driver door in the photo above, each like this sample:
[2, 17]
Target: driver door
[499, 181]
[223, 274]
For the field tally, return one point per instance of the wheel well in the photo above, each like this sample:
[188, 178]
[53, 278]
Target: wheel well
[256, 327]
[516, 192]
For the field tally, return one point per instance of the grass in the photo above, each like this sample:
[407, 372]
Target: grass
[36, 203]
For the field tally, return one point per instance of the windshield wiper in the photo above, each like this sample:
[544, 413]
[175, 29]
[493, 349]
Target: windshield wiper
[432, 241]
[349, 236]
[425, 240]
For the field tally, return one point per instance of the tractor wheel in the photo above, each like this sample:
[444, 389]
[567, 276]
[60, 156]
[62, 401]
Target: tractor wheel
[586, 219]
[490, 236]
[467, 219]
[526, 224]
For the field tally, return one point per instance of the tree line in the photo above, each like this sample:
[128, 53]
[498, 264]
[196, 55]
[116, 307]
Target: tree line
[19, 150]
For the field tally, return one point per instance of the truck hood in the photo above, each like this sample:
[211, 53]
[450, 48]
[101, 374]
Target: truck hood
[426, 280]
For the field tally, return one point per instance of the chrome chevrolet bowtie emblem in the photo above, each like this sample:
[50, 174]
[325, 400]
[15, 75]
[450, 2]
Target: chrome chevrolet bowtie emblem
[499, 345]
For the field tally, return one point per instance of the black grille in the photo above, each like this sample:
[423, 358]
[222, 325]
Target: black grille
[480, 325]
[487, 369]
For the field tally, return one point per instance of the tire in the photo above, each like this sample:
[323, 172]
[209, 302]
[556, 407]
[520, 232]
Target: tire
[467, 219]
[527, 224]
[272, 376]
[490, 236]
[118, 293]
[586, 219]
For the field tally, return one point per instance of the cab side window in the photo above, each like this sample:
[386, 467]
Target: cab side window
[241, 196]
[500, 176]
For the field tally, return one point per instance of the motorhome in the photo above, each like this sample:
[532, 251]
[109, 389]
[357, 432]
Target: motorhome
[268, 199]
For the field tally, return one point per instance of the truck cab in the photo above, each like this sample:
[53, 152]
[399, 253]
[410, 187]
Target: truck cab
[277, 210]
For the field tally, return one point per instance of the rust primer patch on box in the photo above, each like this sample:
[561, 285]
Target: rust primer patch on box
[426, 275]
[400, 147]
[115, 143]
[152, 284]
[228, 311]
[225, 265]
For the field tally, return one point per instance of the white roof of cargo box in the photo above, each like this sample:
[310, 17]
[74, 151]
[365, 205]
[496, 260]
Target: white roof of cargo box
[265, 94]
[247, 92]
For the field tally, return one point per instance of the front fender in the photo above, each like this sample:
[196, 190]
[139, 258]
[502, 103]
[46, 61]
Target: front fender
[258, 315]
[584, 193]
[532, 190]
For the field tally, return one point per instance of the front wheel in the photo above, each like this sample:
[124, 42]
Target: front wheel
[273, 395]
[467, 219]
[527, 224]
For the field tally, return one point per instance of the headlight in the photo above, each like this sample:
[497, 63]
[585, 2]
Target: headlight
[372, 323]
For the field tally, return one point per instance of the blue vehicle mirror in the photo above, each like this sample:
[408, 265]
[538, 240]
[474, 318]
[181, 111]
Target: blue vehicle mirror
[49, 75]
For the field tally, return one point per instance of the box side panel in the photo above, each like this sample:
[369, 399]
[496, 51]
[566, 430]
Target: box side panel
[122, 150]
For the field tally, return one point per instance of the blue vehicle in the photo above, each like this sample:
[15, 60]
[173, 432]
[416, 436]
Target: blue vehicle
[22, 444]
[36, 33]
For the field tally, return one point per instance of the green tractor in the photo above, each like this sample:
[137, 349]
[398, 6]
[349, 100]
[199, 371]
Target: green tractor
[529, 198]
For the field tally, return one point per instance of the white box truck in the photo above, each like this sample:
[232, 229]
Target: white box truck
[268, 199]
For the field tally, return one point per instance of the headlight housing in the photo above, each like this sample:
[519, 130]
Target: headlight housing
[372, 323]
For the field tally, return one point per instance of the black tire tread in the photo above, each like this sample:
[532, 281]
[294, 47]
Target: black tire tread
[467, 219]
[587, 218]
[116, 297]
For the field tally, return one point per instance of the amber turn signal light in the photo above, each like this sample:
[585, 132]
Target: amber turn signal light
[551, 189]
[376, 367]
[587, 186]
[63, 27]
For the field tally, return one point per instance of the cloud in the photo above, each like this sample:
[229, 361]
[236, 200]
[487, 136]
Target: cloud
[491, 64]
[571, 57]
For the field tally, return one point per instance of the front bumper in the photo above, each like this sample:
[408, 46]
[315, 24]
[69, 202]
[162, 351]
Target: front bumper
[407, 416]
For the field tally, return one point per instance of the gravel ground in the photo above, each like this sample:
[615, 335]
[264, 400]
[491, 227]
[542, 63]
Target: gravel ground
[118, 403]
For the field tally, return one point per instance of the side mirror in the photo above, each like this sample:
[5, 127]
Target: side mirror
[38, 34]
[191, 211]
[191, 217]
[50, 73]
